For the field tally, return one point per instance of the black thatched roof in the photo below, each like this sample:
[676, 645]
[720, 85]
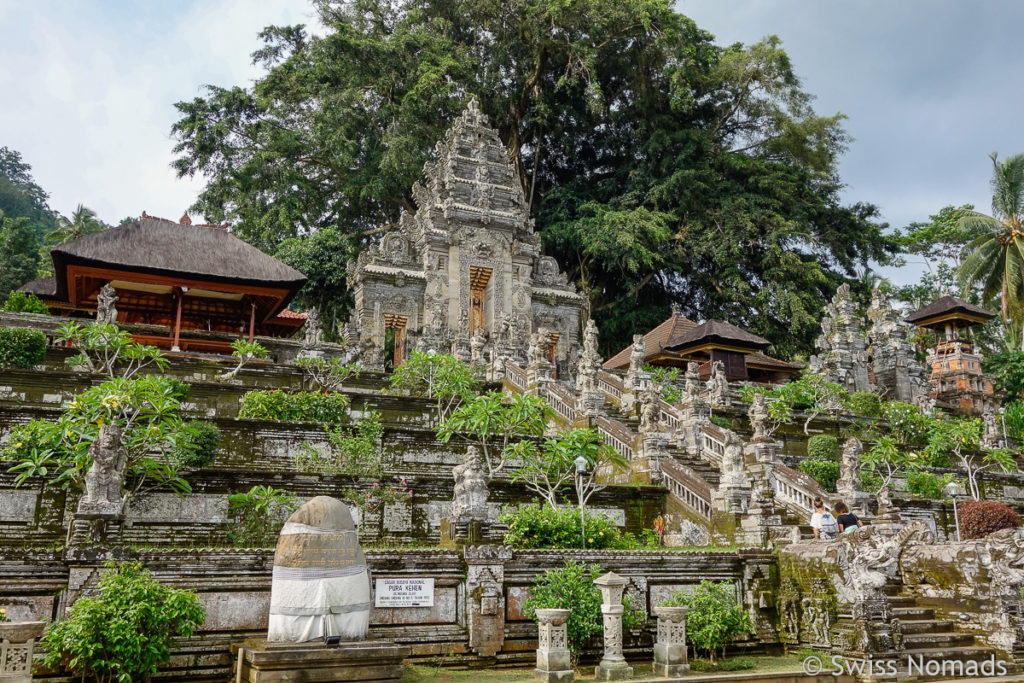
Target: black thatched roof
[44, 288]
[947, 305]
[717, 331]
[162, 247]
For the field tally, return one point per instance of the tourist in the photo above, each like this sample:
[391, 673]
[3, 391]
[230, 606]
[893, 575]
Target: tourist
[824, 524]
[846, 519]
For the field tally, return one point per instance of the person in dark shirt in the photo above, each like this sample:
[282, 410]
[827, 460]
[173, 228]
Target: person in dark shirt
[847, 520]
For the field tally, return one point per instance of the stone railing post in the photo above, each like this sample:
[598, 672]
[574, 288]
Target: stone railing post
[553, 664]
[670, 648]
[613, 665]
[17, 644]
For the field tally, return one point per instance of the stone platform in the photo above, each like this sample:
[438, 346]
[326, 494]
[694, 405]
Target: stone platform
[367, 661]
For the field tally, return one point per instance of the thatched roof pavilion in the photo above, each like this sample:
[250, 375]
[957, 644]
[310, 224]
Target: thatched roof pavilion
[183, 276]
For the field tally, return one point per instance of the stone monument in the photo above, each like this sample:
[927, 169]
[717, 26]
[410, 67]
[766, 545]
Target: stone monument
[613, 666]
[670, 657]
[759, 417]
[471, 492]
[553, 662]
[734, 485]
[842, 345]
[106, 311]
[477, 342]
[313, 340]
[718, 385]
[636, 380]
[848, 486]
[319, 607]
[898, 374]
[104, 482]
[591, 396]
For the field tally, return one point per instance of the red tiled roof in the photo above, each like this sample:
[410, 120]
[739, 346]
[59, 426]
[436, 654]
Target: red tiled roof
[288, 313]
[656, 340]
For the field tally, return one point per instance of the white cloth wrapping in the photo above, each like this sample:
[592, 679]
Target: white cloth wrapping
[307, 603]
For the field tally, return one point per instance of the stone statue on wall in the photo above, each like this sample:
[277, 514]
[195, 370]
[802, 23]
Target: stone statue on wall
[649, 412]
[471, 492]
[314, 333]
[476, 346]
[692, 391]
[992, 435]
[106, 311]
[590, 361]
[104, 482]
[637, 356]
[537, 352]
[718, 385]
[849, 469]
[759, 417]
[732, 461]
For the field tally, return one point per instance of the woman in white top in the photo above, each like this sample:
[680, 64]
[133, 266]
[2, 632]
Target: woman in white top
[825, 526]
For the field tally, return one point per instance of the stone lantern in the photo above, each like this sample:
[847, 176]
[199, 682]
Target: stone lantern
[17, 645]
[553, 664]
[670, 648]
[613, 665]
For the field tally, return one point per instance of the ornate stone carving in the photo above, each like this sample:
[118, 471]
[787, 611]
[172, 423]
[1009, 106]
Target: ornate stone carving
[893, 361]
[848, 486]
[718, 385]
[613, 665]
[476, 347]
[554, 664]
[471, 492]
[670, 644]
[649, 412]
[732, 469]
[842, 345]
[106, 300]
[759, 417]
[992, 436]
[313, 339]
[104, 482]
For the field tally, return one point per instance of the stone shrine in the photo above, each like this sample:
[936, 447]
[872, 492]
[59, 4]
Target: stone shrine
[842, 345]
[467, 259]
[898, 374]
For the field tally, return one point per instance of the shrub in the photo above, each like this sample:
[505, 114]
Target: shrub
[195, 444]
[355, 453]
[1013, 420]
[926, 484]
[721, 422]
[533, 526]
[572, 587]
[715, 617]
[906, 422]
[979, 518]
[179, 390]
[825, 472]
[823, 447]
[21, 347]
[670, 393]
[299, 406]
[725, 664]
[105, 349]
[866, 404]
[125, 632]
[24, 302]
[259, 514]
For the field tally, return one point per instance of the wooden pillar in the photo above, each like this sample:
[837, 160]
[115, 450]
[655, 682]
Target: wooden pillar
[252, 320]
[177, 320]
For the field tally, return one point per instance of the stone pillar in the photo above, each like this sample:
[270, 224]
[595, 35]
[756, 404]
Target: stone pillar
[553, 664]
[613, 665]
[670, 646]
[17, 645]
[485, 577]
[655, 448]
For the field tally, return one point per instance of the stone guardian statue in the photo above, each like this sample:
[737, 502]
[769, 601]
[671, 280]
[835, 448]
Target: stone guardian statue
[104, 482]
[106, 311]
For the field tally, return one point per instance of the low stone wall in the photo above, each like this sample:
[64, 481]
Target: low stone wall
[477, 615]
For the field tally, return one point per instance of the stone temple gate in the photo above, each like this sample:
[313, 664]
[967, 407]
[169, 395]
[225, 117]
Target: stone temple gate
[464, 274]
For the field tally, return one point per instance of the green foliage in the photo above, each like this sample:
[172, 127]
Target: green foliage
[883, 461]
[823, 447]
[82, 222]
[126, 631]
[1007, 368]
[661, 374]
[259, 514]
[724, 664]
[493, 421]
[1013, 420]
[19, 253]
[721, 422]
[21, 249]
[25, 302]
[329, 374]
[21, 347]
[322, 256]
[812, 394]
[979, 518]
[572, 587]
[195, 445]
[927, 484]
[245, 351]
[725, 193]
[532, 526]
[959, 441]
[440, 377]
[715, 617]
[907, 424]
[671, 394]
[105, 349]
[825, 472]
[549, 466]
[866, 404]
[298, 406]
[149, 414]
[355, 453]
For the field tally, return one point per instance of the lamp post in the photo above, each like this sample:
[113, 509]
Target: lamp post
[581, 464]
[953, 490]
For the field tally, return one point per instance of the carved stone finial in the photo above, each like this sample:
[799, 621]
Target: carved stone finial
[185, 220]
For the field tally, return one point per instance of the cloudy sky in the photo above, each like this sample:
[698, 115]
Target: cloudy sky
[931, 87]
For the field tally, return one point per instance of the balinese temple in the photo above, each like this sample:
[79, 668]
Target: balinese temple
[679, 340]
[467, 263]
[186, 278]
[957, 380]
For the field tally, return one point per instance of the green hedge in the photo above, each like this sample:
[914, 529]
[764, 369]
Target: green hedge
[21, 347]
[823, 447]
[23, 302]
[866, 404]
[195, 444]
[298, 406]
[825, 472]
[533, 526]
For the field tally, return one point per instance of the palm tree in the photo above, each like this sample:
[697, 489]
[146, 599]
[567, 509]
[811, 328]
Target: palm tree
[82, 222]
[996, 259]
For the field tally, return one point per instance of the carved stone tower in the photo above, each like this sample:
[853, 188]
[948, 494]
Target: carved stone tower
[468, 259]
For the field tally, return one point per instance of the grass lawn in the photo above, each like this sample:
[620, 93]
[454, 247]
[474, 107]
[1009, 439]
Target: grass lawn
[434, 674]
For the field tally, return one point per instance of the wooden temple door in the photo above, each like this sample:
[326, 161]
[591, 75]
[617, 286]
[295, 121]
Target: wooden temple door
[478, 279]
[552, 349]
[398, 324]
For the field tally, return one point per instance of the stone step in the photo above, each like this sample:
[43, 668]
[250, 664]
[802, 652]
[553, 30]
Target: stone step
[927, 626]
[913, 613]
[948, 639]
[902, 601]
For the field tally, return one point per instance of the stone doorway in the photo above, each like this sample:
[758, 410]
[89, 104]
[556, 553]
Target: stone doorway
[479, 277]
[394, 338]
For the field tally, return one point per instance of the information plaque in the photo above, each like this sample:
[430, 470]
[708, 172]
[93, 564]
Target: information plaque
[404, 593]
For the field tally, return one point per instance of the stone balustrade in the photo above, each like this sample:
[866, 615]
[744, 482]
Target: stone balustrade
[688, 487]
[617, 435]
[17, 646]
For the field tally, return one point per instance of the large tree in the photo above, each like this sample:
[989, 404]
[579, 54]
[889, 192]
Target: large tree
[659, 166]
[996, 258]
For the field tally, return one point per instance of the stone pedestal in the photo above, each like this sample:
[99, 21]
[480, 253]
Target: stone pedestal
[17, 645]
[655, 448]
[553, 662]
[670, 646]
[262, 662]
[91, 530]
[613, 666]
